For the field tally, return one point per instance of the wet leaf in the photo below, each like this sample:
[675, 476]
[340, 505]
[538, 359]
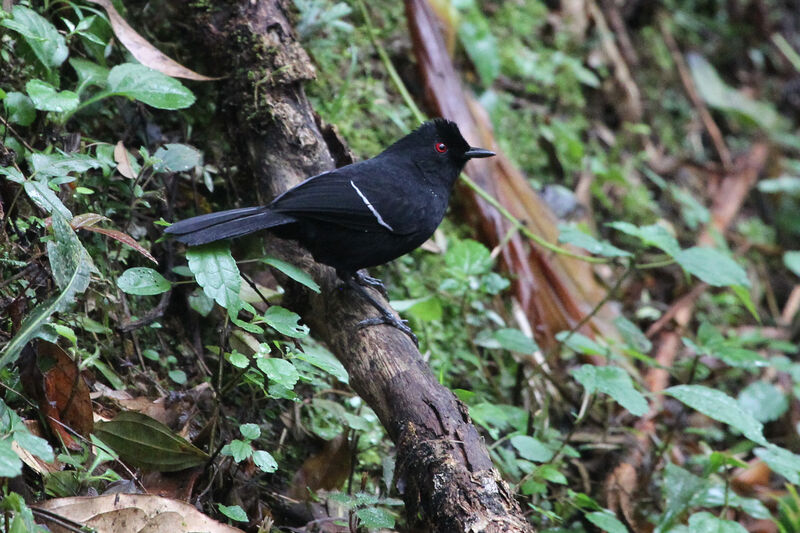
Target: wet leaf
[285, 322]
[19, 108]
[143, 281]
[149, 86]
[719, 406]
[177, 157]
[45, 97]
[44, 39]
[280, 371]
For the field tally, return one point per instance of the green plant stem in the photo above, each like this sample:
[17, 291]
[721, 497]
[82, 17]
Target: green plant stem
[491, 200]
[655, 264]
[409, 101]
[787, 50]
[387, 62]
[89, 101]
[610, 294]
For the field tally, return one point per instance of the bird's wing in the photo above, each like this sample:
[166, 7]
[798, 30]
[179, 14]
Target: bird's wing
[352, 198]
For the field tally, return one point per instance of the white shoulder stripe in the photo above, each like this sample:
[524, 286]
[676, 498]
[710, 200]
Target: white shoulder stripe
[371, 208]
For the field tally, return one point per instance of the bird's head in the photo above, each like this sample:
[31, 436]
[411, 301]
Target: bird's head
[438, 144]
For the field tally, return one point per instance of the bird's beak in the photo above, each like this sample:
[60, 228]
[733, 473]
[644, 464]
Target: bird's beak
[477, 152]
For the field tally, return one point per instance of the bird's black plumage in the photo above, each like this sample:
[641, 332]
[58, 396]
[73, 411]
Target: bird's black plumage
[360, 215]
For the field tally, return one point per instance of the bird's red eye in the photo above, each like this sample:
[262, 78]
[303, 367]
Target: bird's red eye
[441, 148]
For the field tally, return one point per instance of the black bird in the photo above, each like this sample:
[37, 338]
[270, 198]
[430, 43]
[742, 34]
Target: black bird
[360, 215]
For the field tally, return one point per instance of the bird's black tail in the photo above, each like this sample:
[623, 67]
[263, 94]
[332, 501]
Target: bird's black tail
[226, 225]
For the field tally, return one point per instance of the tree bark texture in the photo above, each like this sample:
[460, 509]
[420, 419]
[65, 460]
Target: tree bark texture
[443, 468]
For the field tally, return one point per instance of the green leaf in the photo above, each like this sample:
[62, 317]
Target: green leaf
[149, 86]
[615, 382]
[12, 174]
[782, 184]
[764, 401]
[234, 512]
[375, 518]
[44, 197]
[716, 494]
[47, 43]
[280, 371]
[792, 262]
[142, 281]
[679, 487]
[653, 235]
[148, 444]
[706, 522]
[606, 521]
[632, 335]
[781, 461]
[89, 74]
[515, 341]
[531, 448]
[33, 444]
[10, 463]
[45, 97]
[299, 275]
[324, 360]
[238, 449]
[468, 258]
[177, 157]
[721, 407]
[720, 96]
[580, 343]
[19, 108]
[574, 236]
[250, 431]
[264, 461]
[712, 266]
[239, 360]
[178, 376]
[71, 266]
[60, 164]
[285, 322]
[216, 272]
[427, 308]
[201, 303]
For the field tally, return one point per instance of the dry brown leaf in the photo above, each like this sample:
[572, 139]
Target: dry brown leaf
[132, 513]
[621, 486]
[123, 161]
[755, 476]
[52, 377]
[147, 54]
[124, 238]
[174, 485]
[326, 470]
[85, 220]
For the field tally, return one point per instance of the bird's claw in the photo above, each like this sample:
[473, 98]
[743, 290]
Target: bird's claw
[393, 321]
[368, 281]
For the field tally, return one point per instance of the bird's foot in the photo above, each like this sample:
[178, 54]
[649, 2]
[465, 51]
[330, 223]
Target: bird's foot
[390, 320]
[368, 281]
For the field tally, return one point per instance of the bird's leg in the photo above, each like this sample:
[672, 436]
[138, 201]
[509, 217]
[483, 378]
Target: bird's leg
[386, 316]
[366, 280]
